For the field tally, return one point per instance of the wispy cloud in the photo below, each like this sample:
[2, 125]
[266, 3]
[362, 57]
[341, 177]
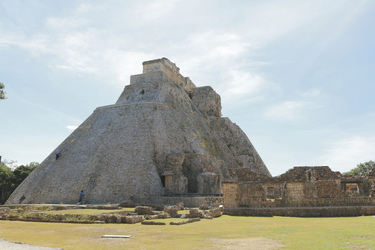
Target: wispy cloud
[346, 153]
[156, 9]
[242, 84]
[71, 127]
[311, 93]
[212, 49]
[289, 111]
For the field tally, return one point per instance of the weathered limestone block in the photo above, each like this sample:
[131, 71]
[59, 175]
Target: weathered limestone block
[170, 70]
[180, 205]
[171, 209]
[151, 217]
[207, 101]
[143, 210]
[177, 223]
[151, 222]
[203, 207]
[215, 212]
[208, 183]
[156, 92]
[174, 161]
[110, 218]
[133, 219]
[194, 213]
[127, 203]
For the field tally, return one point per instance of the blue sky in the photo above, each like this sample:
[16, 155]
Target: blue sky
[296, 76]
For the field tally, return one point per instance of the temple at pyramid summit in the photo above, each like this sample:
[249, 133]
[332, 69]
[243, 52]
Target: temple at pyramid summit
[163, 140]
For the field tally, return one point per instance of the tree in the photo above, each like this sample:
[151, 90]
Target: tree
[2, 93]
[21, 172]
[10, 180]
[6, 176]
[361, 168]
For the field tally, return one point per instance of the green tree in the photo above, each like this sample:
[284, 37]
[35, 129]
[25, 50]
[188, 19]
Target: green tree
[6, 177]
[10, 180]
[361, 168]
[21, 172]
[2, 93]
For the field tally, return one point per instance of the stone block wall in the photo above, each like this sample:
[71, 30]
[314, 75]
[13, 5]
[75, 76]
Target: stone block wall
[303, 211]
[171, 71]
[230, 194]
[207, 101]
[329, 189]
[192, 201]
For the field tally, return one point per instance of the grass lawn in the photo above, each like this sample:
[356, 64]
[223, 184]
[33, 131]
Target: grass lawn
[235, 232]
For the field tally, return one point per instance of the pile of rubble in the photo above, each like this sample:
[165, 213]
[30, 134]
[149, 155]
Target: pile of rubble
[144, 214]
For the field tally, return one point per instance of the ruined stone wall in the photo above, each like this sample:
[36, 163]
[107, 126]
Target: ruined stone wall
[250, 193]
[329, 189]
[303, 211]
[193, 201]
[246, 174]
[308, 174]
[230, 194]
[169, 69]
[275, 194]
[295, 190]
[274, 190]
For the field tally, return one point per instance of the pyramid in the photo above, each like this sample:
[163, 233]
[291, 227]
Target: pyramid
[163, 136]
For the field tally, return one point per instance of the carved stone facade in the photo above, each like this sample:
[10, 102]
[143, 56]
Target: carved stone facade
[299, 187]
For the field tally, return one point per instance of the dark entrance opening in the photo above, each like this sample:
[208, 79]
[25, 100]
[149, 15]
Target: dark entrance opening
[192, 184]
[162, 178]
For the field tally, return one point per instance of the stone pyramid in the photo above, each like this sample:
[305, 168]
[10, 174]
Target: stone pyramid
[163, 136]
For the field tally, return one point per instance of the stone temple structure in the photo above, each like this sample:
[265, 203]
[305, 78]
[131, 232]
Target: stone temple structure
[164, 137]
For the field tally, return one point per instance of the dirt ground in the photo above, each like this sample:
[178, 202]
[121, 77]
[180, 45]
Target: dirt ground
[4, 244]
[247, 243]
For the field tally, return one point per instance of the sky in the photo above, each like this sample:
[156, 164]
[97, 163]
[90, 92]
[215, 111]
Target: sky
[296, 76]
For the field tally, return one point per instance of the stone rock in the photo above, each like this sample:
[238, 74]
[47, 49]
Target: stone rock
[127, 203]
[143, 210]
[171, 209]
[133, 219]
[215, 212]
[151, 222]
[203, 207]
[194, 213]
[180, 206]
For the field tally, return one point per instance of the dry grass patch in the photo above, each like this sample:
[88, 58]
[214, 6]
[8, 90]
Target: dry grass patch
[247, 243]
[223, 232]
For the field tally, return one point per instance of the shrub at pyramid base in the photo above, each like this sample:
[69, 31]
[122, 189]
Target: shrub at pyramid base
[164, 136]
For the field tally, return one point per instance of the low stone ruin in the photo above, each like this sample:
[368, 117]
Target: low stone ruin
[301, 187]
[144, 214]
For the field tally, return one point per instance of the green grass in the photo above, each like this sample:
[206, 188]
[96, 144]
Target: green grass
[294, 233]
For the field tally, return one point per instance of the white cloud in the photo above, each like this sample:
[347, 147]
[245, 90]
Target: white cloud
[155, 9]
[311, 93]
[67, 23]
[242, 84]
[289, 111]
[215, 46]
[345, 154]
[71, 127]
